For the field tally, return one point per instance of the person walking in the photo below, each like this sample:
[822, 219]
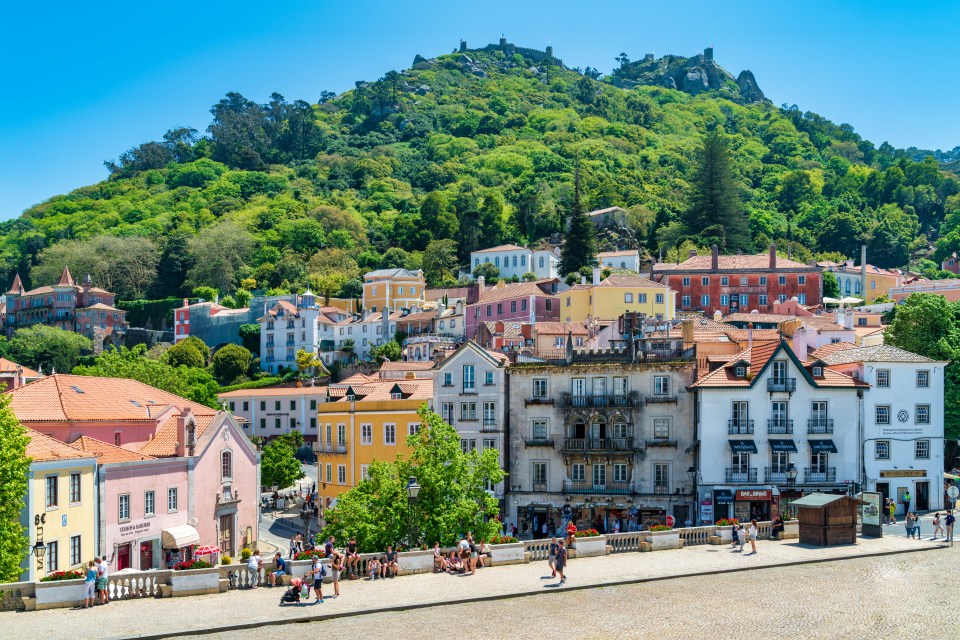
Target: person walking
[552, 558]
[293, 547]
[892, 510]
[916, 524]
[741, 538]
[909, 524]
[89, 585]
[561, 561]
[949, 522]
[937, 527]
[752, 534]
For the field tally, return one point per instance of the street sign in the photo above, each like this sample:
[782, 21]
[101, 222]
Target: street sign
[953, 492]
[670, 521]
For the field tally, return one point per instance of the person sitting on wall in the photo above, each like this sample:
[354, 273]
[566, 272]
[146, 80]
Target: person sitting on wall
[776, 528]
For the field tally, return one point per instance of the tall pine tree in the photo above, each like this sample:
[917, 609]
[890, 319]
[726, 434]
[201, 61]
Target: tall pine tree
[715, 213]
[580, 243]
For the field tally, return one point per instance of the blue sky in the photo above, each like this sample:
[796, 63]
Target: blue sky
[82, 82]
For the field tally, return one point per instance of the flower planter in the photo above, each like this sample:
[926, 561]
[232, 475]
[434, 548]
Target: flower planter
[509, 553]
[592, 546]
[660, 540]
[791, 530]
[61, 593]
[195, 582]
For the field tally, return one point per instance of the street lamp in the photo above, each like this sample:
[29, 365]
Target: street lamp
[792, 474]
[413, 491]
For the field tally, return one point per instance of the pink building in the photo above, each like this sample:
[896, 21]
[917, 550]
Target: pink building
[520, 302]
[171, 473]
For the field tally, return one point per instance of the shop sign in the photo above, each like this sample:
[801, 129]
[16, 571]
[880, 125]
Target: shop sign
[754, 495]
[904, 473]
[871, 510]
[134, 529]
[706, 511]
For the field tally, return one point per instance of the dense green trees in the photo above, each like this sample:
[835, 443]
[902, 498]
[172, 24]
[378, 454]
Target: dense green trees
[279, 466]
[230, 362]
[14, 467]
[715, 214]
[46, 347]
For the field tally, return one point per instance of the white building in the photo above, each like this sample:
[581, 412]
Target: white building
[370, 331]
[903, 425]
[286, 328]
[468, 394]
[620, 260]
[765, 414]
[273, 411]
[514, 261]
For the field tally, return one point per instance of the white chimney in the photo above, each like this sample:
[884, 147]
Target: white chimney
[596, 276]
[717, 316]
[800, 343]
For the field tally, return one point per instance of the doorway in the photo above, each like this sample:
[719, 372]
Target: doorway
[123, 556]
[226, 535]
[146, 555]
[923, 496]
[883, 488]
[681, 513]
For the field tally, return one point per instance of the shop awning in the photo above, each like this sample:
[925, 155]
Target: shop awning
[783, 445]
[743, 446]
[178, 537]
[823, 446]
[723, 496]
[950, 476]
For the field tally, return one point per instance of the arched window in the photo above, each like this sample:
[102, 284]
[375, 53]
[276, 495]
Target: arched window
[856, 286]
[226, 465]
[620, 428]
[598, 429]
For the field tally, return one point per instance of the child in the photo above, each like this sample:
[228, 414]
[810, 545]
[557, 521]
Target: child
[373, 568]
[336, 566]
[741, 537]
[937, 529]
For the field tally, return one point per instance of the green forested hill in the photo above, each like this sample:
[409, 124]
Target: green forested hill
[460, 152]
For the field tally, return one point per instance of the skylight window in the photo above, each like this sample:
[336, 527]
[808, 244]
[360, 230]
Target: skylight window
[77, 389]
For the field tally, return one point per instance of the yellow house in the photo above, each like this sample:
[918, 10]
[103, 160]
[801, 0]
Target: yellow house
[365, 420]
[60, 507]
[611, 298]
[393, 289]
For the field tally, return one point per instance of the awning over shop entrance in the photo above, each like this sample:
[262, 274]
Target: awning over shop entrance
[823, 446]
[743, 446]
[181, 536]
[783, 445]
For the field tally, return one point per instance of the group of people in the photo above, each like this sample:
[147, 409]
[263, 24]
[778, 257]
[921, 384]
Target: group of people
[942, 525]
[465, 559]
[95, 583]
[743, 534]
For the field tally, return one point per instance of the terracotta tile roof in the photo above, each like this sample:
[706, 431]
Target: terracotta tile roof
[274, 391]
[877, 353]
[65, 398]
[408, 366]
[164, 443]
[726, 263]
[450, 292]
[9, 366]
[419, 389]
[759, 335]
[43, 448]
[503, 247]
[757, 357]
[419, 316]
[393, 273]
[830, 349]
[358, 378]
[100, 307]
[758, 317]
[617, 254]
[561, 328]
[107, 453]
[511, 330]
[516, 290]
[630, 280]
[501, 357]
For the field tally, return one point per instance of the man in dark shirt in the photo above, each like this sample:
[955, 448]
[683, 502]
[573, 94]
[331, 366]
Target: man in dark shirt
[391, 567]
[328, 547]
[279, 569]
[353, 558]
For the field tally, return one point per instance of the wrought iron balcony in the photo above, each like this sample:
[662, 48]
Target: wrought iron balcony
[662, 398]
[739, 427]
[490, 424]
[788, 385]
[828, 474]
[608, 488]
[598, 444]
[779, 426]
[741, 475]
[776, 476]
[661, 489]
[598, 400]
[820, 425]
[540, 486]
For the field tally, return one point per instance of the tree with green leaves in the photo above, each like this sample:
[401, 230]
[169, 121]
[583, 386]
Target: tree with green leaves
[440, 262]
[488, 271]
[389, 350]
[715, 199]
[309, 365]
[250, 336]
[48, 347]
[580, 242]
[14, 470]
[279, 466]
[186, 354]
[452, 501]
[230, 362]
[831, 288]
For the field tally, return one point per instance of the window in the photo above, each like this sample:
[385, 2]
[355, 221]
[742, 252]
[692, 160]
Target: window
[448, 379]
[549, 304]
[661, 477]
[468, 410]
[883, 378]
[74, 488]
[116, 439]
[578, 472]
[523, 305]
[149, 504]
[779, 461]
[921, 414]
[488, 378]
[882, 414]
[468, 444]
[782, 297]
[659, 298]
[801, 279]
[341, 434]
[740, 371]
[881, 450]
[313, 424]
[171, 500]
[232, 407]
[52, 486]
[782, 280]
[599, 475]
[469, 380]
[539, 387]
[53, 561]
[276, 405]
[276, 423]
[724, 281]
[75, 555]
[489, 412]
[489, 310]
[330, 433]
[642, 298]
[686, 282]
[619, 473]
[329, 472]
[540, 475]
[499, 308]
[226, 465]
[762, 299]
[124, 507]
[263, 405]
[705, 281]
[817, 371]
[724, 300]
[363, 472]
[921, 450]
[661, 428]
[802, 298]
[263, 423]
[446, 412]
[743, 281]
[684, 301]
[661, 385]
[540, 430]
[705, 301]
[513, 306]
[923, 379]
[413, 428]
[341, 474]
[293, 424]
[390, 434]
[568, 301]
[628, 297]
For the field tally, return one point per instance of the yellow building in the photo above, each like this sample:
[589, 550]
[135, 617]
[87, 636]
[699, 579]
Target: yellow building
[365, 419]
[393, 289]
[60, 507]
[611, 298]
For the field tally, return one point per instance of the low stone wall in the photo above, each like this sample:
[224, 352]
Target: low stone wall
[17, 596]
[592, 546]
[511, 553]
[60, 593]
[195, 582]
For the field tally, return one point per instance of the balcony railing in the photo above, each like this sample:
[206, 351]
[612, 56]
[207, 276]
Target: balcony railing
[490, 424]
[820, 425]
[598, 444]
[739, 427]
[591, 400]
[775, 476]
[741, 475]
[779, 426]
[661, 489]
[540, 486]
[608, 488]
[782, 384]
[471, 390]
[662, 397]
[829, 474]
[329, 447]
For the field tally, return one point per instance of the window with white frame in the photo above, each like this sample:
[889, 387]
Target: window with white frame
[389, 434]
[705, 300]
[921, 450]
[921, 414]
[123, 507]
[599, 475]
[488, 378]
[366, 434]
[74, 488]
[661, 428]
[923, 379]
[686, 281]
[489, 443]
[468, 444]
[413, 428]
[172, 499]
[539, 387]
[341, 474]
[363, 472]
[661, 385]
[53, 486]
[661, 477]
[446, 412]
[539, 475]
[619, 472]
[883, 378]
[341, 434]
[329, 472]
[882, 414]
[469, 380]
[468, 410]
[628, 297]
[578, 472]
[539, 429]
[149, 504]
[226, 465]
[620, 428]
[881, 450]
[684, 301]
[76, 556]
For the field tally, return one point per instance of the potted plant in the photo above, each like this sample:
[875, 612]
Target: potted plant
[194, 577]
[723, 534]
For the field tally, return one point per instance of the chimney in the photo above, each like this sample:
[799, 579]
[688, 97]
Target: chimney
[686, 330]
[842, 316]
[848, 321]
[773, 256]
[185, 433]
[186, 302]
[481, 286]
[714, 258]
[583, 279]
[863, 270]
[596, 276]
[693, 253]
[717, 316]
[749, 335]
[800, 343]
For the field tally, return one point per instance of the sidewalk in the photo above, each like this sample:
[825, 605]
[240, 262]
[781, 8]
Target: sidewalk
[154, 618]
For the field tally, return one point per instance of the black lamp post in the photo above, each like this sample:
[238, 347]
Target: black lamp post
[791, 476]
[413, 492]
[692, 472]
[39, 550]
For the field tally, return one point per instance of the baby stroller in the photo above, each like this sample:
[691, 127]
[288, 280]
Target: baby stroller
[295, 592]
